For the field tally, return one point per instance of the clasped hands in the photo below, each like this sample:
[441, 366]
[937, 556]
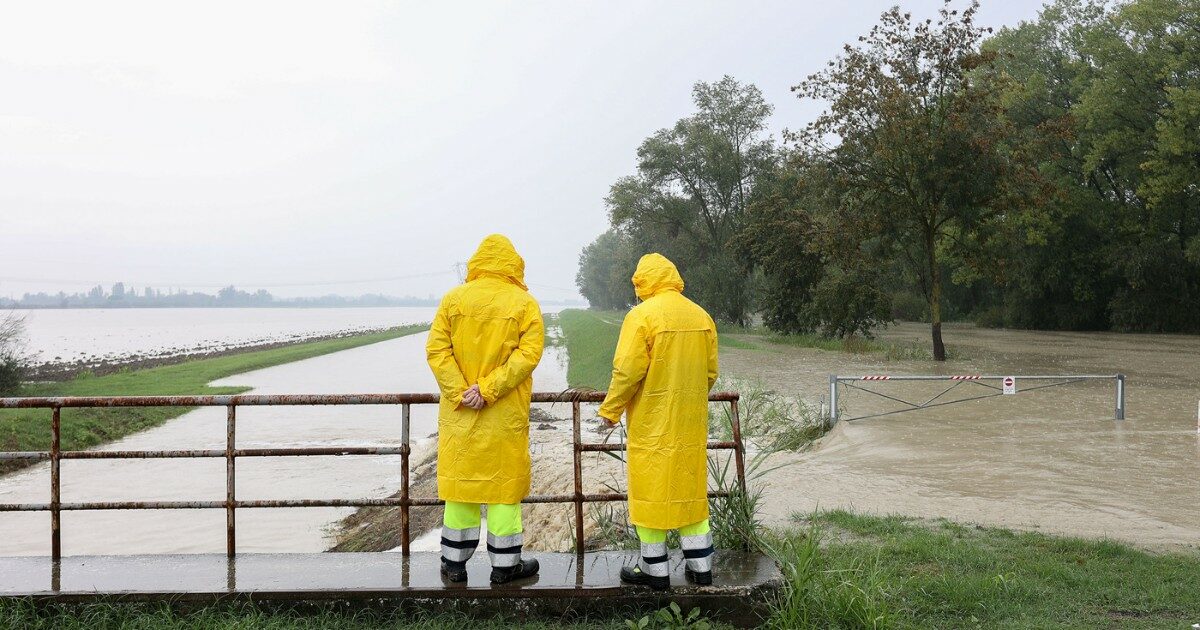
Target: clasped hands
[473, 399]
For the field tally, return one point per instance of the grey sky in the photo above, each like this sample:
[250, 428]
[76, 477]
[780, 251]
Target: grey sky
[282, 145]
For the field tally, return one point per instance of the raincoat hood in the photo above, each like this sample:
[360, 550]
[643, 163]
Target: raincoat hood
[496, 256]
[654, 275]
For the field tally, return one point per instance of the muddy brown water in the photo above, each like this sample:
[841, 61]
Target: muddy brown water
[1053, 460]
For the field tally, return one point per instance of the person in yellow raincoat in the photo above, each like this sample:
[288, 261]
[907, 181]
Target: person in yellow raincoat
[484, 344]
[665, 364]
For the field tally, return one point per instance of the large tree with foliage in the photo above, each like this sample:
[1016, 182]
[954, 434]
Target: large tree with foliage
[917, 144]
[605, 268]
[1116, 93]
[814, 278]
[691, 188]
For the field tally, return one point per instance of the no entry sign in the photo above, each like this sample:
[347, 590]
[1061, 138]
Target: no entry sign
[1010, 385]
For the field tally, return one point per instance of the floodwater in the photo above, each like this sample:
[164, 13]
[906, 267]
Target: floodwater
[1052, 460]
[96, 335]
[397, 365]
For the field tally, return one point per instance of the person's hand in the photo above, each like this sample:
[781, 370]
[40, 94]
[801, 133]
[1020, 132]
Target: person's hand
[473, 399]
[610, 425]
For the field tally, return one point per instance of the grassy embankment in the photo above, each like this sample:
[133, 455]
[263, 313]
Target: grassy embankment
[593, 335]
[855, 571]
[29, 429]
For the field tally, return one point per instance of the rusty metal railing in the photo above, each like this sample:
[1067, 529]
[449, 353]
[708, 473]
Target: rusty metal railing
[231, 454]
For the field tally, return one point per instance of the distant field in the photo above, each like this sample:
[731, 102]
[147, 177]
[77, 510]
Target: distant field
[29, 429]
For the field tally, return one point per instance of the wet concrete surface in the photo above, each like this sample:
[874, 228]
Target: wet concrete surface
[741, 583]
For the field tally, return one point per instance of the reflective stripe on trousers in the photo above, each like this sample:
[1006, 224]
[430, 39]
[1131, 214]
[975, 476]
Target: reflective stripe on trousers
[696, 540]
[460, 533]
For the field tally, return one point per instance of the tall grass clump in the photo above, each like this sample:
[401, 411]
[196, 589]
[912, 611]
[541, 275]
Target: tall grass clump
[820, 593]
[770, 422]
[12, 359]
[734, 516]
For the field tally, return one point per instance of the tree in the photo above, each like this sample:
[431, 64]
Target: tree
[606, 267]
[691, 189]
[917, 145]
[812, 280]
[1115, 93]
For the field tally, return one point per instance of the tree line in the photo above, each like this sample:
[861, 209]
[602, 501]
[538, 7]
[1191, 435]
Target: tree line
[228, 297]
[1043, 176]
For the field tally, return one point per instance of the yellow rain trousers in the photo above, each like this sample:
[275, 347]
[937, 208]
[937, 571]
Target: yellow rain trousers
[487, 331]
[666, 361]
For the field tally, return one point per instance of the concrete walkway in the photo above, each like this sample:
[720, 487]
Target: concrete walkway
[566, 586]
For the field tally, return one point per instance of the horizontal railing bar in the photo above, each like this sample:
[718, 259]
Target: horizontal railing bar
[319, 450]
[1042, 377]
[244, 452]
[25, 455]
[278, 452]
[297, 503]
[139, 454]
[598, 447]
[288, 399]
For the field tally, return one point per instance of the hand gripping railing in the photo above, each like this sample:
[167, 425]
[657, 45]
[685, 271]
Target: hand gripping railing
[231, 453]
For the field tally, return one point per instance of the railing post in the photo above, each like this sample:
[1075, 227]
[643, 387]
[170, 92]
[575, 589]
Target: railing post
[833, 399]
[1120, 414]
[230, 439]
[738, 449]
[578, 449]
[404, 450]
[55, 490]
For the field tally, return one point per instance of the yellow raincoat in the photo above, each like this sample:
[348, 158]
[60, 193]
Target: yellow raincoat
[666, 362]
[489, 332]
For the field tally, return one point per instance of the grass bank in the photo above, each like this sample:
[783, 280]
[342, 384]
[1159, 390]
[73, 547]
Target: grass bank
[19, 614]
[591, 336]
[29, 429]
[851, 571]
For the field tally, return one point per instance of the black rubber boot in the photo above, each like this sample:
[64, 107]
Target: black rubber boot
[700, 578]
[524, 569]
[634, 575]
[454, 571]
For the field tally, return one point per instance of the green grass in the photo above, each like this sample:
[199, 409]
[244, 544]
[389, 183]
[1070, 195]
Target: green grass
[591, 338]
[852, 571]
[29, 429]
[22, 614]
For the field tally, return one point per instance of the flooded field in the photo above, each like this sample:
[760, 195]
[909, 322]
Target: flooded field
[391, 366]
[1053, 460]
[101, 335]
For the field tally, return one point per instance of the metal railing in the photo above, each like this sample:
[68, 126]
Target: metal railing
[231, 454]
[1007, 382]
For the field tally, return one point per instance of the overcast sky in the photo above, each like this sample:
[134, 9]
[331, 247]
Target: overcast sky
[352, 147]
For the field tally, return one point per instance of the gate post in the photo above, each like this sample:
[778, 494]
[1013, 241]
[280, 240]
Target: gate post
[833, 400]
[1120, 413]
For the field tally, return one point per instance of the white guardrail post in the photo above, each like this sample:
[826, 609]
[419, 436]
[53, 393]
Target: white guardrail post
[833, 401]
[1120, 414]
